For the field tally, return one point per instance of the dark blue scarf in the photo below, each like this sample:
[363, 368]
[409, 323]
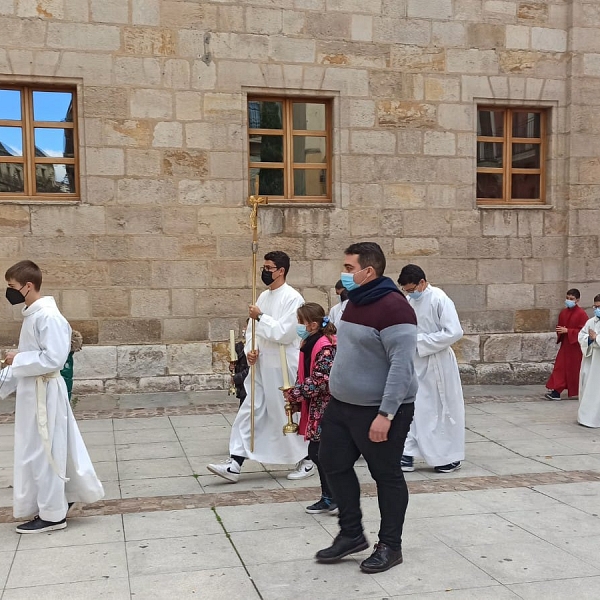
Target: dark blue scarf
[372, 291]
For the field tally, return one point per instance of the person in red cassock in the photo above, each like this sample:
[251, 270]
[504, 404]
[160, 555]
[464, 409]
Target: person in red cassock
[565, 375]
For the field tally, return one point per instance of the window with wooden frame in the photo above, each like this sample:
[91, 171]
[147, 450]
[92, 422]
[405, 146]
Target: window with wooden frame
[289, 149]
[511, 155]
[38, 144]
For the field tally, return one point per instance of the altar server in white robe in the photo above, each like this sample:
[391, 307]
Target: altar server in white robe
[589, 376]
[52, 468]
[275, 319]
[437, 433]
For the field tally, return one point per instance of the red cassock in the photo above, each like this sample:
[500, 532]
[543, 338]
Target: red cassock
[565, 375]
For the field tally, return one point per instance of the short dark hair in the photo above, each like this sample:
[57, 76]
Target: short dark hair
[597, 298]
[411, 274]
[574, 292]
[339, 285]
[369, 254]
[25, 271]
[281, 260]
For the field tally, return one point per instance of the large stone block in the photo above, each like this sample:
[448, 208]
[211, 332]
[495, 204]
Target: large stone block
[217, 381]
[511, 296]
[531, 373]
[109, 11]
[14, 220]
[430, 9]
[418, 60]
[495, 374]
[472, 61]
[145, 12]
[412, 247]
[489, 321]
[107, 303]
[373, 142]
[502, 348]
[533, 320]
[499, 271]
[159, 384]
[140, 163]
[186, 359]
[179, 273]
[405, 114]
[75, 304]
[81, 36]
[539, 347]
[219, 328]
[388, 30]
[95, 362]
[150, 303]
[129, 331]
[141, 361]
[548, 40]
[467, 349]
[151, 104]
[328, 26]
[146, 41]
[145, 191]
[126, 132]
[185, 329]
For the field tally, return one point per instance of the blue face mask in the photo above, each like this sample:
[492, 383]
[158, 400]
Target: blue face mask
[415, 295]
[348, 281]
[570, 303]
[597, 312]
[302, 332]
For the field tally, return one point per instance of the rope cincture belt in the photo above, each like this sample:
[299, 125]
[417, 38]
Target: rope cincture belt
[41, 386]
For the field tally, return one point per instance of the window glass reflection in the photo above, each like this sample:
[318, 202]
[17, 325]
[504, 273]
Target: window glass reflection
[526, 125]
[490, 123]
[310, 182]
[489, 185]
[266, 148]
[309, 149]
[525, 187]
[12, 178]
[270, 181]
[54, 142]
[526, 156]
[11, 141]
[265, 115]
[309, 116]
[55, 179]
[490, 154]
[53, 107]
[10, 105]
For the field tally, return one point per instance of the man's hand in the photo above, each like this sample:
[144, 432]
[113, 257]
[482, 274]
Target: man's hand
[252, 357]
[9, 357]
[379, 429]
[592, 334]
[231, 366]
[561, 329]
[253, 311]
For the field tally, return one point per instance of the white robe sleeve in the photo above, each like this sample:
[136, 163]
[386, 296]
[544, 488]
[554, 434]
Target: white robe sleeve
[583, 337]
[450, 330]
[54, 338]
[283, 329]
[8, 382]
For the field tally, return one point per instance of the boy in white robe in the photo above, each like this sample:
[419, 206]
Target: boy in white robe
[589, 376]
[437, 433]
[275, 319]
[52, 468]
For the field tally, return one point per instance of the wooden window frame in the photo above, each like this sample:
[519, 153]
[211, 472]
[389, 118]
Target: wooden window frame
[508, 170]
[288, 132]
[29, 160]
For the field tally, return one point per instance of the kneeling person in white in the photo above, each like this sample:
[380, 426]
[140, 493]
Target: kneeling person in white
[52, 468]
[275, 320]
[589, 376]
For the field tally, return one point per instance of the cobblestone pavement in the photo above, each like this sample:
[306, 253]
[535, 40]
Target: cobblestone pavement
[519, 520]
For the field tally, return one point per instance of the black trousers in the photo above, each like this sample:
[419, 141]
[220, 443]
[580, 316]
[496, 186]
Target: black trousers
[313, 454]
[344, 437]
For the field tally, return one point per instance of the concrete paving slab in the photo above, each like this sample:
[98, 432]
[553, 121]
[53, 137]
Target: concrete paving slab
[213, 584]
[180, 555]
[107, 471]
[145, 436]
[80, 532]
[539, 447]
[248, 482]
[100, 589]
[586, 548]
[574, 462]
[199, 420]
[89, 425]
[497, 592]
[170, 524]
[165, 486]
[67, 565]
[206, 432]
[521, 563]
[514, 466]
[468, 469]
[443, 504]
[581, 445]
[265, 517]
[7, 443]
[7, 429]
[6, 497]
[98, 438]
[127, 452]
[199, 464]
[112, 490]
[308, 579]
[6, 458]
[585, 495]
[209, 447]
[511, 499]
[488, 449]
[102, 454]
[587, 588]
[139, 424]
[154, 468]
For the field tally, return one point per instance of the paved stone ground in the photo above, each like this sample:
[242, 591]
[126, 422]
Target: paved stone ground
[520, 520]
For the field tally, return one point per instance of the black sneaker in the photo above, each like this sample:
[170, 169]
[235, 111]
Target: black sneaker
[323, 506]
[342, 546]
[406, 463]
[453, 466]
[38, 525]
[552, 395]
[382, 559]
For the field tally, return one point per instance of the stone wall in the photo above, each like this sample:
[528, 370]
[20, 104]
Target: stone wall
[156, 254]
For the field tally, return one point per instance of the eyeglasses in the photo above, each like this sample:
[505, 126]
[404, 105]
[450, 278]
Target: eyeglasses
[269, 269]
[409, 291]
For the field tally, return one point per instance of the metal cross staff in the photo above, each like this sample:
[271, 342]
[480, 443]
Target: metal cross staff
[254, 202]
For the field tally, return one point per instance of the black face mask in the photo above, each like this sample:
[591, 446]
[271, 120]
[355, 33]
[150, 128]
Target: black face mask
[267, 277]
[15, 296]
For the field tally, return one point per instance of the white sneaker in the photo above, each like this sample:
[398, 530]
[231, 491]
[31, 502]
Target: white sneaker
[305, 468]
[229, 469]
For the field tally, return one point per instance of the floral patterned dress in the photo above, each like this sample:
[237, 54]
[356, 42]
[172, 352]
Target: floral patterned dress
[315, 391]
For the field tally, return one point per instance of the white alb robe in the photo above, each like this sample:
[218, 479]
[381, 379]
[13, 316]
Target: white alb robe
[336, 312]
[589, 377]
[437, 433]
[40, 487]
[276, 327]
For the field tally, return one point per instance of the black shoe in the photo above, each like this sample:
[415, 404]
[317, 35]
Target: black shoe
[38, 525]
[553, 395]
[382, 559]
[323, 506]
[454, 466]
[69, 506]
[406, 463]
[342, 546]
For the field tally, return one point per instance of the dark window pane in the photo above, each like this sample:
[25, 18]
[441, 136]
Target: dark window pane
[53, 106]
[270, 181]
[526, 156]
[309, 149]
[11, 177]
[265, 115]
[490, 123]
[309, 116]
[489, 185]
[526, 125]
[55, 179]
[11, 141]
[490, 154]
[310, 182]
[54, 142]
[266, 148]
[10, 105]
[525, 187]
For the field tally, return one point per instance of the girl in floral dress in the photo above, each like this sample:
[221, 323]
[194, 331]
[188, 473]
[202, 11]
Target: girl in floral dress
[310, 395]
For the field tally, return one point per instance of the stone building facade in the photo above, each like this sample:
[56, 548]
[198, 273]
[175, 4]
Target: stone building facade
[152, 261]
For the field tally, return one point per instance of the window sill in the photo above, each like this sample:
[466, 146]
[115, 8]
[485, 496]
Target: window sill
[39, 201]
[296, 204]
[515, 206]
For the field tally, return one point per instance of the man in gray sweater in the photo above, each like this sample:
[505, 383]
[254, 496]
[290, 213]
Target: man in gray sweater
[373, 387]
